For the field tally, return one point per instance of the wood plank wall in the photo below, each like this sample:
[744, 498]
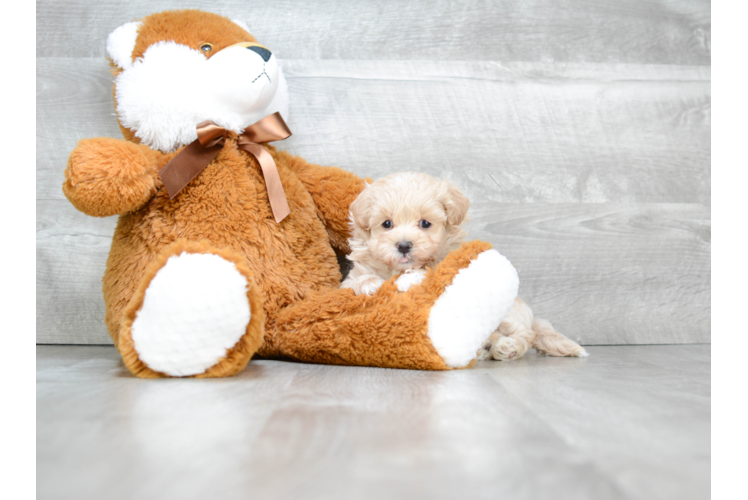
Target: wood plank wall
[579, 129]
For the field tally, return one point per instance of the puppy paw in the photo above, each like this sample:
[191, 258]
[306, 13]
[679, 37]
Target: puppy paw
[505, 349]
[409, 279]
[484, 352]
[366, 284]
[370, 286]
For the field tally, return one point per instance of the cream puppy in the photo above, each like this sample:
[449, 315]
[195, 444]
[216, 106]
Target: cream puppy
[403, 223]
[407, 222]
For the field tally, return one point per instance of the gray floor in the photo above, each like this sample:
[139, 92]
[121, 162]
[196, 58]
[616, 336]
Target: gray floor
[627, 422]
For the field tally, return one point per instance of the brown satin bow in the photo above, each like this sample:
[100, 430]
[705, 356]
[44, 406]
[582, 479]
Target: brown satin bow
[210, 140]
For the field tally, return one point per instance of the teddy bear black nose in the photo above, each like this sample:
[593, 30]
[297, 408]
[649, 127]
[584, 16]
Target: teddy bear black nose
[264, 53]
[404, 247]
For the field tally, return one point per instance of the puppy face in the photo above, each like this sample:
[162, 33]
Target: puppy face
[406, 221]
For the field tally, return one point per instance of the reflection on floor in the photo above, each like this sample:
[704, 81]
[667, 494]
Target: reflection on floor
[627, 422]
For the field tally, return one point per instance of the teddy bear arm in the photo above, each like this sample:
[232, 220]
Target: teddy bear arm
[333, 190]
[107, 176]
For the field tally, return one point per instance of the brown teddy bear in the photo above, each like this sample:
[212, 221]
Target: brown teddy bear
[225, 247]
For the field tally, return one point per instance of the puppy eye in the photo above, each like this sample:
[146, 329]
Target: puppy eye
[425, 224]
[387, 224]
[206, 47]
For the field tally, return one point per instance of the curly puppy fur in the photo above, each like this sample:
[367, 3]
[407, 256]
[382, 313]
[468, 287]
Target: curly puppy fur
[393, 200]
[406, 222]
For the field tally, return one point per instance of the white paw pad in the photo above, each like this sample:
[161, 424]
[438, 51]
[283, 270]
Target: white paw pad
[194, 310]
[410, 279]
[472, 307]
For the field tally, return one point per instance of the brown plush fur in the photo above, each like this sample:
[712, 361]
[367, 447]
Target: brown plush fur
[388, 329]
[191, 28]
[227, 206]
[291, 266]
[107, 176]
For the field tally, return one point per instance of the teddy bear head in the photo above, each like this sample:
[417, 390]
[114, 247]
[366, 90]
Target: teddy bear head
[175, 69]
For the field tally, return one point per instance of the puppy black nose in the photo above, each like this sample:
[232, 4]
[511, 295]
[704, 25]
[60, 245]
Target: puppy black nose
[404, 247]
[264, 53]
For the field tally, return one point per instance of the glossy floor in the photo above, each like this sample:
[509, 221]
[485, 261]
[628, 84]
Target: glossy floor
[627, 422]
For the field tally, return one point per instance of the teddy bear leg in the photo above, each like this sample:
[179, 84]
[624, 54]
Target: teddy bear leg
[197, 312]
[437, 325]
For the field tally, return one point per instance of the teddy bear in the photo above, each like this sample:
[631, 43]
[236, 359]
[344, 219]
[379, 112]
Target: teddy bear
[225, 247]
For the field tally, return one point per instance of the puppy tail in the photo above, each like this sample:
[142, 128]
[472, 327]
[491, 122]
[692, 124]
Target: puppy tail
[550, 342]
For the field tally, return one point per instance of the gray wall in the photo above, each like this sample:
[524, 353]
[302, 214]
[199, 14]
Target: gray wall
[579, 129]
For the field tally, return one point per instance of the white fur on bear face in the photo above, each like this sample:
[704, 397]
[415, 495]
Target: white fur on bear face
[163, 95]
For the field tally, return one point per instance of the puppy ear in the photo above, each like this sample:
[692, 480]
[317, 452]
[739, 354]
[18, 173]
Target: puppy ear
[455, 204]
[360, 208]
[121, 42]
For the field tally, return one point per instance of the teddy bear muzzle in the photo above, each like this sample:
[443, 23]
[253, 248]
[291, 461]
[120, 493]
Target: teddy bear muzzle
[252, 74]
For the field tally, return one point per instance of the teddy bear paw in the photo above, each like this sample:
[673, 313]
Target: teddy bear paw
[195, 309]
[472, 307]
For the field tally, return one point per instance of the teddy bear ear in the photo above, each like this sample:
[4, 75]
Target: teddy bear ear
[241, 24]
[121, 42]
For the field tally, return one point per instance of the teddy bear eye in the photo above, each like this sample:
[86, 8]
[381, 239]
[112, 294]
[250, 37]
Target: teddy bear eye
[425, 224]
[387, 224]
[206, 47]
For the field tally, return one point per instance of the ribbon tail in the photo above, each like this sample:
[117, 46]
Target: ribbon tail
[276, 194]
[186, 165]
[269, 129]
